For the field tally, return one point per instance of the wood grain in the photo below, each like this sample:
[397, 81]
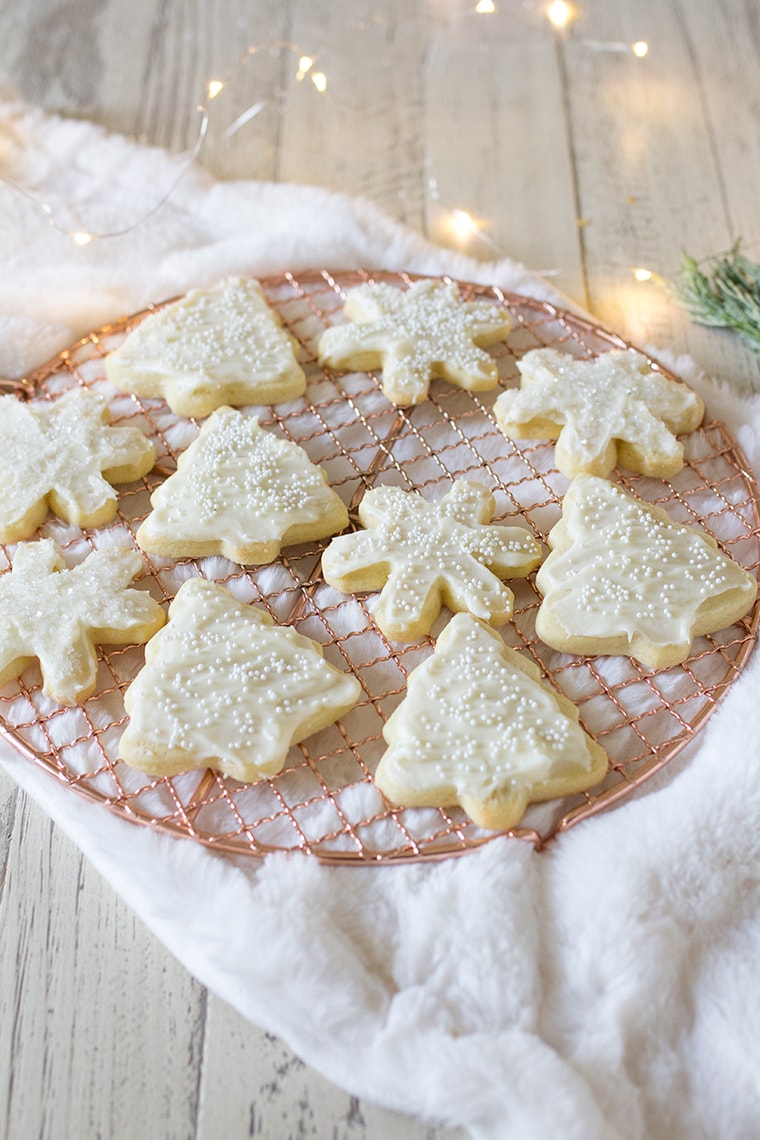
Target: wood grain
[286, 1098]
[101, 1032]
[9, 797]
[576, 158]
[499, 146]
[650, 173]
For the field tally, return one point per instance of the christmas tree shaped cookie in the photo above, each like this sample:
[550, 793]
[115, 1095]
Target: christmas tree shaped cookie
[63, 456]
[59, 615]
[613, 409]
[242, 492]
[478, 728]
[223, 345]
[422, 555]
[416, 335]
[224, 688]
[623, 578]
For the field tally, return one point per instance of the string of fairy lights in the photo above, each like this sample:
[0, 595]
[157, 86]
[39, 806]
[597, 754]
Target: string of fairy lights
[459, 221]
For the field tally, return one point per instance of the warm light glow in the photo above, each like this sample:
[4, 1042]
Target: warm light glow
[463, 224]
[642, 274]
[202, 108]
[640, 48]
[485, 7]
[560, 14]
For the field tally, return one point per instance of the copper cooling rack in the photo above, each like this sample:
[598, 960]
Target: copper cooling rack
[324, 802]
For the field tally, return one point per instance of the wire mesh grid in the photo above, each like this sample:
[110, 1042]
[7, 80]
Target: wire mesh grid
[324, 802]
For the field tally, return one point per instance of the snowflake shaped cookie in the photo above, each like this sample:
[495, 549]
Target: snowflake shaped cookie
[59, 615]
[223, 345]
[63, 457]
[225, 688]
[416, 335]
[242, 492]
[623, 578]
[424, 555]
[478, 728]
[611, 409]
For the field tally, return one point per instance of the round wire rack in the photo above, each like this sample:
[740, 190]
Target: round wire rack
[324, 802]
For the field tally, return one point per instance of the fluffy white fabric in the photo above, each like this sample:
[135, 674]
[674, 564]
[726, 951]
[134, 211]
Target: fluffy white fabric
[605, 988]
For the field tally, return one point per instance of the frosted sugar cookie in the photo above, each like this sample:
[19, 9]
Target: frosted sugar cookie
[59, 615]
[224, 688]
[623, 578]
[416, 335]
[422, 555]
[223, 345]
[242, 492]
[478, 728]
[612, 409]
[63, 456]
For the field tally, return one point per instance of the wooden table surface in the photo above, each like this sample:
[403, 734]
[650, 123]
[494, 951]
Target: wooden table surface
[569, 153]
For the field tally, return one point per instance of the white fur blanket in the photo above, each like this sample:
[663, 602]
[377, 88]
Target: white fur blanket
[607, 987]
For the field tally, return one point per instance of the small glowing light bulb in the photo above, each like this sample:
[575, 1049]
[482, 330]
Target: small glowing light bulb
[640, 48]
[485, 7]
[560, 14]
[642, 274]
[319, 79]
[80, 237]
[463, 224]
[214, 87]
[305, 64]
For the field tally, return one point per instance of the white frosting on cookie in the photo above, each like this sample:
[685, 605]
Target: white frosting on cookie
[242, 492]
[223, 345]
[612, 408]
[623, 577]
[422, 555]
[416, 335]
[478, 728]
[225, 688]
[63, 456]
[59, 615]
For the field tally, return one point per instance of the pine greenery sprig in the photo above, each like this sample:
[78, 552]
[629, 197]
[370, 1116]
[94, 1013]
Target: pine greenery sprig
[729, 297]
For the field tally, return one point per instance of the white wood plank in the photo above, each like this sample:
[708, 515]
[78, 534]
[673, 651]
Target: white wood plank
[498, 144]
[723, 42]
[102, 1030]
[232, 43]
[650, 179]
[363, 134]
[8, 804]
[142, 69]
[43, 46]
[253, 1085]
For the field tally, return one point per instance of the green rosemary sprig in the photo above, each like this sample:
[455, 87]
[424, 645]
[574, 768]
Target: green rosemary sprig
[728, 297]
